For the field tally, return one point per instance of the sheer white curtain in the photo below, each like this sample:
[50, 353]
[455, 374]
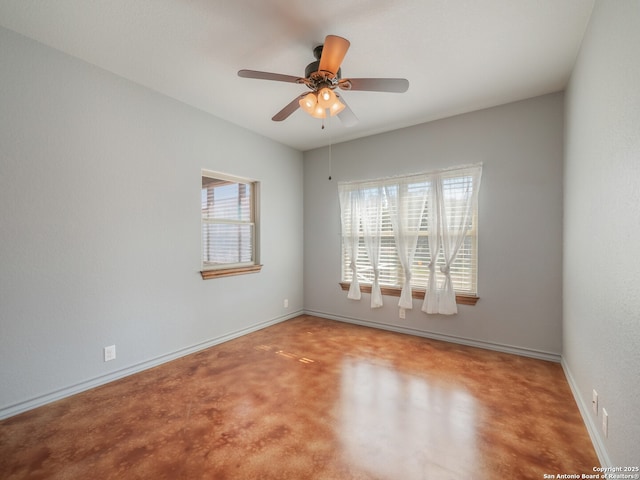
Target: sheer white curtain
[450, 218]
[350, 217]
[406, 200]
[371, 200]
[431, 296]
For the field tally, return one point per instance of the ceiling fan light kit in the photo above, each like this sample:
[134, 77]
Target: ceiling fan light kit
[318, 104]
[322, 77]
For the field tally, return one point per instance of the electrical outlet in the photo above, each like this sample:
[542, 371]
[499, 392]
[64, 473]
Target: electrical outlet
[286, 303]
[109, 353]
[403, 313]
[605, 423]
[594, 402]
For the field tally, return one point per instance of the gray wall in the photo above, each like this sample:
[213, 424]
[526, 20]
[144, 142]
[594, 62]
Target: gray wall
[100, 242]
[100, 226]
[520, 223]
[602, 229]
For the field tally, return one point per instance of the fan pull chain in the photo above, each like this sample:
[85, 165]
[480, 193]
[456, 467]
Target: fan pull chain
[329, 158]
[330, 142]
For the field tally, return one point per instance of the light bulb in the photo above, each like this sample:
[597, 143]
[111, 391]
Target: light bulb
[319, 112]
[337, 107]
[308, 103]
[326, 97]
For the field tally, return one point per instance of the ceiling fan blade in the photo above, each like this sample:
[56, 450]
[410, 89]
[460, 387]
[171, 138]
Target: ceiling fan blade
[333, 52]
[278, 77]
[346, 116]
[288, 110]
[396, 85]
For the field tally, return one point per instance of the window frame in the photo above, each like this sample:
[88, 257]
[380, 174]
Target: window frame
[466, 297]
[233, 268]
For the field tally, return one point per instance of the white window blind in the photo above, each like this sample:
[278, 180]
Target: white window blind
[228, 221]
[416, 194]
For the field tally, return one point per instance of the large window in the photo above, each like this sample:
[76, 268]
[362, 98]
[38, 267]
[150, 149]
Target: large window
[419, 230]
[229, 225]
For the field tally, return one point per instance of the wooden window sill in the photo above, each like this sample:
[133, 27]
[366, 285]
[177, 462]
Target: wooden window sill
[415, 293]
[227, 272]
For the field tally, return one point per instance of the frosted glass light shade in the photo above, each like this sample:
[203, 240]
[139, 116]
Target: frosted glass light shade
[326, 97]
[337, 107]
[319, 112]
[308, 103]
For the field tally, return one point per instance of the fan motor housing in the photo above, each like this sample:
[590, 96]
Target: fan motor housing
[313, 67]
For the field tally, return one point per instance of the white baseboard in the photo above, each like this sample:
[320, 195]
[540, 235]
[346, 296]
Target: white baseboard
[525, 352]
[585, 411]
[41, 400]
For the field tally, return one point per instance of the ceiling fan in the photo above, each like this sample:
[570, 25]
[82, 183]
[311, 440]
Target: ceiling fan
[322, 77]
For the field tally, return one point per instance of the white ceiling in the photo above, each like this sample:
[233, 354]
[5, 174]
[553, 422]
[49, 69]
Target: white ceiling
[458, 55]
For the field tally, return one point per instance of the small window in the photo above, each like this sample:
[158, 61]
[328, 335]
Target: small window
[229, 225]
